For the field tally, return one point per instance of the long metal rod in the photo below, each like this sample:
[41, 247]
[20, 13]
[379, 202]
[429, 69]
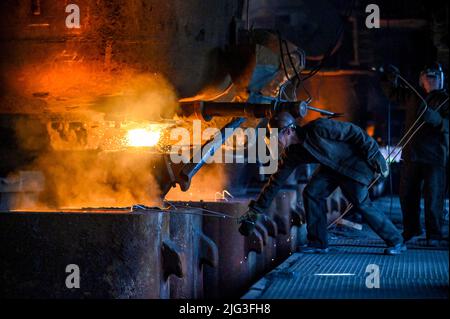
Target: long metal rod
[204, 213]
[324, 112]
[209, 149]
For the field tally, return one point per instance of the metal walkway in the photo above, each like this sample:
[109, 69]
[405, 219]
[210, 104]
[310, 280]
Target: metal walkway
[420, 273]
[342, 274]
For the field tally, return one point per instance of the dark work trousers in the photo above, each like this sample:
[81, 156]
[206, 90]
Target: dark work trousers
[431, 178]
[321, 185]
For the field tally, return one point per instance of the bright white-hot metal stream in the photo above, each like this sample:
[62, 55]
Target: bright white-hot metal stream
[144, 137]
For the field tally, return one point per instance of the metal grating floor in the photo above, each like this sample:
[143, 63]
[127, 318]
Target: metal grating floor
[341, 274]
[420, 273]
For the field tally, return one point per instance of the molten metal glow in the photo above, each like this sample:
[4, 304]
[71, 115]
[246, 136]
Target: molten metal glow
[144, 137]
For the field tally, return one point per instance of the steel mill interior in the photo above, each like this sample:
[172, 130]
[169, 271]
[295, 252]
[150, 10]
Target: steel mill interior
[238, 149]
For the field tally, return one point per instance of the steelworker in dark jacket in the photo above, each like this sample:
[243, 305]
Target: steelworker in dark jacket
[425, 159]
[349, 159]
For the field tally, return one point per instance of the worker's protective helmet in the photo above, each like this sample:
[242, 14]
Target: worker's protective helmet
[282, 121]
[433, 70]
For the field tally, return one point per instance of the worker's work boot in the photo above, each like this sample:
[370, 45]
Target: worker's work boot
[437, 243]
[433, 243]
[395, 250]
[411, 238]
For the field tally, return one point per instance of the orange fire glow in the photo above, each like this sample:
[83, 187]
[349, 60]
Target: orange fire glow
[144, 137]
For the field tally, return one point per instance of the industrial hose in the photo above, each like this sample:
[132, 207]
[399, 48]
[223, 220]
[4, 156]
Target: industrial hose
[208, 212]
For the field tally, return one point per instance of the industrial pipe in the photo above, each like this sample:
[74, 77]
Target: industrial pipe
[206, 110]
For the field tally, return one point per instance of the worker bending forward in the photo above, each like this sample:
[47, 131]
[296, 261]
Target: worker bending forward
[348, 158]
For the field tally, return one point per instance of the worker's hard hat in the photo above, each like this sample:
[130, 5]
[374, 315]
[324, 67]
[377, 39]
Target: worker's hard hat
[281, 121]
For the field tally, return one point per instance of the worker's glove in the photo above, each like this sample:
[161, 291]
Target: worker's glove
[379, 164]
[248, 222]
[432, 117]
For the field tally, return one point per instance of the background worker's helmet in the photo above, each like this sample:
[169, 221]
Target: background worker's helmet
[282, 121]
[433, 70]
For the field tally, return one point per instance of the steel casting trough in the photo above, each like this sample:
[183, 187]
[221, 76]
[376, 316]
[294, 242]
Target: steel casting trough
[118, 253]
[234, 272]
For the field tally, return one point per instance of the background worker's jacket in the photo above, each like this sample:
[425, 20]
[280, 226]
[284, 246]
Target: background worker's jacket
[341, 146]
[430, 145]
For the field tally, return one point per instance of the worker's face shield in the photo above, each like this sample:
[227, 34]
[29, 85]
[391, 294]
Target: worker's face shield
[431, 80]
